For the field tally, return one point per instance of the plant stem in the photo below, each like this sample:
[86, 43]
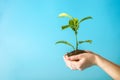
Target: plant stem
[76, 40]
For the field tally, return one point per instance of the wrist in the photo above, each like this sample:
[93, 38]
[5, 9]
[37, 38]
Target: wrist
[97, 58]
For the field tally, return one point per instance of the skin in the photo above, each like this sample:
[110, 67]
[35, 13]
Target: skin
[85, 60]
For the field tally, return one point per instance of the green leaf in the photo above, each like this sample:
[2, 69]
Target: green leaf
[74, 25]
[86, 18]
[65, 42]
[71, 22]
[80, 42]
[86, 41]
[75, 21]
[64, 15]
[65, 27]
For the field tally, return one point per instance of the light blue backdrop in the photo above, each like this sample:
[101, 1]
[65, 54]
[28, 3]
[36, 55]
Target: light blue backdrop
[30, 28]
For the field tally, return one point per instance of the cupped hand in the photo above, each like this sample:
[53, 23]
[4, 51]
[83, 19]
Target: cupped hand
[80, 61]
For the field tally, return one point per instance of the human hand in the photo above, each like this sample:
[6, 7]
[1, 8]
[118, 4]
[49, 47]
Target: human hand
[87, 59]
[80, 61]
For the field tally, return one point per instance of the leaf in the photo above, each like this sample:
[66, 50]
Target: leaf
[75, 21]
[65, 27]
[76, 24]
[80, 42]
[64, 15]
[86, 18]
[71, 22]
[89, 41]
[65, 42]
[86, 41]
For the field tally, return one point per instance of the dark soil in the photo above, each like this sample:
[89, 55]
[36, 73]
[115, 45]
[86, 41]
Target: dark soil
[76, 52]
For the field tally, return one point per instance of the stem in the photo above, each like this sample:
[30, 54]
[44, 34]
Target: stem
[76, 40]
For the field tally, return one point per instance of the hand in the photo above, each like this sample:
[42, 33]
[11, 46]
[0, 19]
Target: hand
[85, 60]
[80, 61]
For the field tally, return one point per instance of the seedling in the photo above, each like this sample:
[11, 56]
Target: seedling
[74, 24]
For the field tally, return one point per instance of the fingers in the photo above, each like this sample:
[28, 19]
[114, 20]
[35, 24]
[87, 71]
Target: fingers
[74, 58]
[75, 65]
[80, 61]
[70, 64]
[81, 64]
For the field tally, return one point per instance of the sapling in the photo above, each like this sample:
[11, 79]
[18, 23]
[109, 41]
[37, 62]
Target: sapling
[74, 24]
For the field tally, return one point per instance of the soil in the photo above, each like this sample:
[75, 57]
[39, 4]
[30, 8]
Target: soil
[76, 52]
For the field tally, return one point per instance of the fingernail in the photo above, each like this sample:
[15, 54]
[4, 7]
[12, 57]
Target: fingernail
[66, 57]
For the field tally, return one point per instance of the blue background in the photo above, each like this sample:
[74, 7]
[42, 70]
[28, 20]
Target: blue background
[30, 28]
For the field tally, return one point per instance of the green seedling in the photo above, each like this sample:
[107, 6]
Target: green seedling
[74, 24]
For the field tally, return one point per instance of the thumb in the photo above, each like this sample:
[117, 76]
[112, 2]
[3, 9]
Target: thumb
[74, 58]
